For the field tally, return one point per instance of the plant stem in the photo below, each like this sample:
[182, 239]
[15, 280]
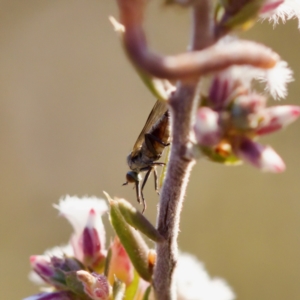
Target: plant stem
[183, 104]
[173, 191]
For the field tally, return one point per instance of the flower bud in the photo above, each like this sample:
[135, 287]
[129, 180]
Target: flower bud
[66, 264]
[219, 91]
[45, 269]
[84, 214]
[95, 286]
[262, 157]
[207, 129]
[277, 117]
[91, 244]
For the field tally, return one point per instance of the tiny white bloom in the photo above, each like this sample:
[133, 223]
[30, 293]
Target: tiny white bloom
[276, 79]
[76, 210]
[289, 9]
[193, 282]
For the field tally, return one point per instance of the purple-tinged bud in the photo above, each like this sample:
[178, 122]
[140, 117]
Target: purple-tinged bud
[120, 264]
[277, 117]
[207, 129]
[66, 264]
[95, 286]
[91, 245]
[62, 295]
[219, 91]
[45, 269]
[78, 213]
[42, 266]
[262, 157]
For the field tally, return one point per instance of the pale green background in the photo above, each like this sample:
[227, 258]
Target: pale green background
[71, 108]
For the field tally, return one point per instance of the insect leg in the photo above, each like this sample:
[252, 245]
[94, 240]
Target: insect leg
[155, 180]
[138, 192]
[143, 185]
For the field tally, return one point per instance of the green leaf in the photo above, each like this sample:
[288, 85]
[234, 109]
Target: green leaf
[147, 293]
[138, 221]
[132, 288]
[131, 240]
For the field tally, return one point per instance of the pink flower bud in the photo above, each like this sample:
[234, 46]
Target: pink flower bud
[91, 245]
[120, 264]
[262, 157]
[85, 214]
[95, 286]
[277, 117]
[206, 128]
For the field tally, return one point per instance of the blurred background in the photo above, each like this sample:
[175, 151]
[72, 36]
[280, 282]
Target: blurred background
[71, 107]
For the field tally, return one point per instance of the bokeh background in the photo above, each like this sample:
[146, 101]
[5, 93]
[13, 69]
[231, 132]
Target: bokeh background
[71, 107]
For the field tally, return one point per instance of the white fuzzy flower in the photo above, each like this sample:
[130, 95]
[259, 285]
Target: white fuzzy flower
[276, 79]
[193, 282]
[287, 10]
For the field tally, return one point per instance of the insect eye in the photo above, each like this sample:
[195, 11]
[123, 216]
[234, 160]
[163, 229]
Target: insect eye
[133, 176]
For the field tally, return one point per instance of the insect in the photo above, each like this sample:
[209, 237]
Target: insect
[148, 149]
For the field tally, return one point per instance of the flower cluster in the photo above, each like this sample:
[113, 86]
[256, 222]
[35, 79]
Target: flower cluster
[232, 116]
[85, 270]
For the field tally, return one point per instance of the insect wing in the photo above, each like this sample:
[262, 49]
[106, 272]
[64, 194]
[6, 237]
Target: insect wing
[159, 108]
